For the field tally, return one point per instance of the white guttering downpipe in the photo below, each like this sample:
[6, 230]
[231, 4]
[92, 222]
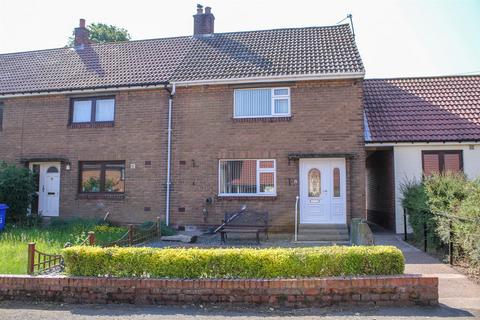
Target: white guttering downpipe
[169, 154]
[296, 218]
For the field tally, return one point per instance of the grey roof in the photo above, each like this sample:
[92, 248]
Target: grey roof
[252, 54]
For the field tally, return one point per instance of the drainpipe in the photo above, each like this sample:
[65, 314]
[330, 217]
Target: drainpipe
[171, 92]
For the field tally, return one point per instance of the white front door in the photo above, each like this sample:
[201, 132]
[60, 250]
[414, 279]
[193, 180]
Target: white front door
[322, 191]
[48, 187]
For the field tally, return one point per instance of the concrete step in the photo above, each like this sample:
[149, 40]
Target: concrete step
[323, 237]
[323, 232]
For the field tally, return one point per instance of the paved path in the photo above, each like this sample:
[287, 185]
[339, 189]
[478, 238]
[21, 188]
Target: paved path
[456, 291]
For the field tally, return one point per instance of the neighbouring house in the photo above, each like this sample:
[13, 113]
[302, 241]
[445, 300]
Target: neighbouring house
[416, 126]
[191, 127]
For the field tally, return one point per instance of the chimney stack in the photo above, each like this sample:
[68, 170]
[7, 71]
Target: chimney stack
[203, 23]
[81, 35]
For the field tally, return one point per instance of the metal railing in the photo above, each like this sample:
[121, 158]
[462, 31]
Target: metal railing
[451, 238]
[40, 262]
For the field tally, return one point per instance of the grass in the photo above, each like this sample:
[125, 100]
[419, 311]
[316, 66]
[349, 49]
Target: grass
[14, 240]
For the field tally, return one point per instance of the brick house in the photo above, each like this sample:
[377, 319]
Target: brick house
[416, 126]
[190, 127]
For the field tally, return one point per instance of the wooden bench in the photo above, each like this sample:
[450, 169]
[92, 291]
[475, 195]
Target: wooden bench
[246, 222]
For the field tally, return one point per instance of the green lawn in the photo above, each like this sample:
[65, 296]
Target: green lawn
[14, 241]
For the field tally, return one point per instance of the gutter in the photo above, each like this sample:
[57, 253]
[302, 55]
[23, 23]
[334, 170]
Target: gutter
[302, 77]
[420, 143]
[171, 92]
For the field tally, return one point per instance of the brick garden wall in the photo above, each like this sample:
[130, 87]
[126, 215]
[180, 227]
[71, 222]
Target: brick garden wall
[381, 290]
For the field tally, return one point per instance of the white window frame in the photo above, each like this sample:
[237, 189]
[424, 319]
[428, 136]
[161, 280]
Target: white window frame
[273, 98]
[259, 170]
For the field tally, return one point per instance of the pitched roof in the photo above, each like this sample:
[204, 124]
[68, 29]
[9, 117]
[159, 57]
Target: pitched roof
[222, 56]
[422, 109]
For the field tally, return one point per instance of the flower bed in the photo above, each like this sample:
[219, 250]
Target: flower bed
[197, 263]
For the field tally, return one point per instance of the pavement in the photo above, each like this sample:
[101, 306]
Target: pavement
[456, 291]
[459, 299]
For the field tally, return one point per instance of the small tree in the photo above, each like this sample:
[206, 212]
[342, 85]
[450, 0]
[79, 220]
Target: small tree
[102, 33]
[17, 190]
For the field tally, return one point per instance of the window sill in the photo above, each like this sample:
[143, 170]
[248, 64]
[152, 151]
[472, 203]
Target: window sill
[109, 124]
[263, 119]
[114, 196]
[246, 198]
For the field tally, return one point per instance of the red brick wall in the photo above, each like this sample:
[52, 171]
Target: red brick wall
[381, 188]
[381, 290]
[37, 127]
[327, 117]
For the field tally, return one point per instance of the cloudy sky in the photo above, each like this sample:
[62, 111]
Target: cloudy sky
[395, 37]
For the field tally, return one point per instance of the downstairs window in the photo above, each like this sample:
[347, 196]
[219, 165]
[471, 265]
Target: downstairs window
[247, 178]
[102, 177]
[442, 161]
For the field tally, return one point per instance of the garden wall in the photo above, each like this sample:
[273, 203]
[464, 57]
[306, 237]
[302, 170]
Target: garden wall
[381, 290]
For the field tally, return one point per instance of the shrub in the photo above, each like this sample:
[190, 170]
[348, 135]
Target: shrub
[415, 200]
[17, 189]
[233, 263]
[467, 232]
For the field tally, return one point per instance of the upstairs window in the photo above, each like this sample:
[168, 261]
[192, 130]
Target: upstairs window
[247, 177]
[262, 103]
[93, 110]
[442, 161]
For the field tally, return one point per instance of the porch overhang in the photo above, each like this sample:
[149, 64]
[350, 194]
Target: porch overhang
[295, 156]
[44, 159]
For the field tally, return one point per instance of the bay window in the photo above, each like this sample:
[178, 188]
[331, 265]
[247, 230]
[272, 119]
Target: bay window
[247, 177]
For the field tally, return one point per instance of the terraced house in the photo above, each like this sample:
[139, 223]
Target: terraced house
[193, 126]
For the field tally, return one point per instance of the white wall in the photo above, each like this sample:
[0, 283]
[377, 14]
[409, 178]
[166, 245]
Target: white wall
[408, 165]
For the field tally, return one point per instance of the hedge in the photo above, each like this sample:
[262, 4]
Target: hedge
[191, 263]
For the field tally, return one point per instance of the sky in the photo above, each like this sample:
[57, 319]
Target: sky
[396, 38]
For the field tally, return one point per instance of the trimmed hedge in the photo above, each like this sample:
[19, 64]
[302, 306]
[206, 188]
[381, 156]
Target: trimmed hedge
[194, 263]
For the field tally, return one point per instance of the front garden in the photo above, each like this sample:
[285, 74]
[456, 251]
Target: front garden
[49, 239]
[444, 210]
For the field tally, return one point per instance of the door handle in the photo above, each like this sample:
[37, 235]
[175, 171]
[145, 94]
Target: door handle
[43, 188]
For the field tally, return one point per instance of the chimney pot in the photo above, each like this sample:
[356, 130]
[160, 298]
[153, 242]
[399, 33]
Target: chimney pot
[82, 23]
[203, 23]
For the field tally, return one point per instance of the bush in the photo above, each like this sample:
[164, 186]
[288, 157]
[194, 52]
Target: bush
[194, 263]
[17, 189]
[467, 232]
[415, 200]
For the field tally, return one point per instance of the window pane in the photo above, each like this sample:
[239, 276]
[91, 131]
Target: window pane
[105, 110]
[91, 174]
[82, 111]
[115, 178]
[267, 164]
[314, 183]
[452, 162]
[267, 182]
[431, 163]
[256, 102]
[336, 182]
[238, 176]
[281, 105]
[280, 92]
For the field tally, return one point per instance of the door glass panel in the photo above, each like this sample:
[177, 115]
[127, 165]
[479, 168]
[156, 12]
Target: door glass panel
[52, 170]
[314, 183]
[91, 174]
[115, 178]
[336, 182]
